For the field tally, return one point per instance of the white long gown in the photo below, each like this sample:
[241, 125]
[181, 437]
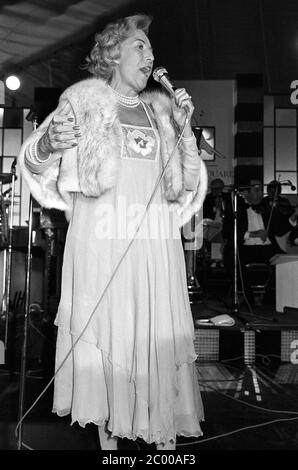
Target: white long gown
[134, 366]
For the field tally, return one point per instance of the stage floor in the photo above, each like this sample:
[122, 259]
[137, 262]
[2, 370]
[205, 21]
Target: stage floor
[248, 406]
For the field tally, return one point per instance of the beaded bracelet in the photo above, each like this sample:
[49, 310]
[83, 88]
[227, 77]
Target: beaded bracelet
[34, 153]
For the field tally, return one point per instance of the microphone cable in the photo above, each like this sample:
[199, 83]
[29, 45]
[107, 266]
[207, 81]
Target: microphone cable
[159, 179]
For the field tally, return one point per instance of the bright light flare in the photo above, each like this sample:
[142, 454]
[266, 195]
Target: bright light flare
[13, 83]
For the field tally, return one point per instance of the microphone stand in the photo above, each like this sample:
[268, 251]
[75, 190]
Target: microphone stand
[236, 308]
[6, 297]
[25, 328]
[235, 245]
[26, 317]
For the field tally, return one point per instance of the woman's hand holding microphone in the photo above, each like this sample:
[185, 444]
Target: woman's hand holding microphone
[183, 108]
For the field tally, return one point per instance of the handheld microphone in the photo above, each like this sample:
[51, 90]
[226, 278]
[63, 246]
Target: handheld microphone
[161, 75]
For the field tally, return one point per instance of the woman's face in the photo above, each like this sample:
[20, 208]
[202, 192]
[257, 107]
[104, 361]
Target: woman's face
[135, 64]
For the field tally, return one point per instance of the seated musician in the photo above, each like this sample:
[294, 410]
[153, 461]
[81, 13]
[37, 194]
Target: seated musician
[258, 224]
[281, 203]
[213, 213]
[282, 206]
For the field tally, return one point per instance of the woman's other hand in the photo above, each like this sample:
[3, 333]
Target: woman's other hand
[61, 134]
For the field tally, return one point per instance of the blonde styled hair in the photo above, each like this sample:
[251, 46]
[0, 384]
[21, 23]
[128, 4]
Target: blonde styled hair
[101, 61]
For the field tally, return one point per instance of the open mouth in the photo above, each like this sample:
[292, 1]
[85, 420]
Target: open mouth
[146, 71]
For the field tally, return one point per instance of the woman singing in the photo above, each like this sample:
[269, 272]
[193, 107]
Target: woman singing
[124, 311]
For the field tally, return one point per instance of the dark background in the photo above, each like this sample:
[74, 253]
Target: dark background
[193, 39]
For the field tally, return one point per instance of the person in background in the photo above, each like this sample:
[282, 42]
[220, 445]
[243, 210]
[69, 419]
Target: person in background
[215, 200]
[257, 228]
[125, 357]
[281, 204]
[213, 215]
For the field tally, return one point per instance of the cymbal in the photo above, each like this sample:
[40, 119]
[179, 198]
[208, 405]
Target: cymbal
[6, 178]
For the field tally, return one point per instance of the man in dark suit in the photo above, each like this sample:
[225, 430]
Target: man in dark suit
[258, 224]
[281, 203]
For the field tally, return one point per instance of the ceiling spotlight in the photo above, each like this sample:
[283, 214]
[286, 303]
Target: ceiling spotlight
[13, 82]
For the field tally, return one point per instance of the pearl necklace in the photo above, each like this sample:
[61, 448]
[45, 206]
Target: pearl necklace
[127, 101]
